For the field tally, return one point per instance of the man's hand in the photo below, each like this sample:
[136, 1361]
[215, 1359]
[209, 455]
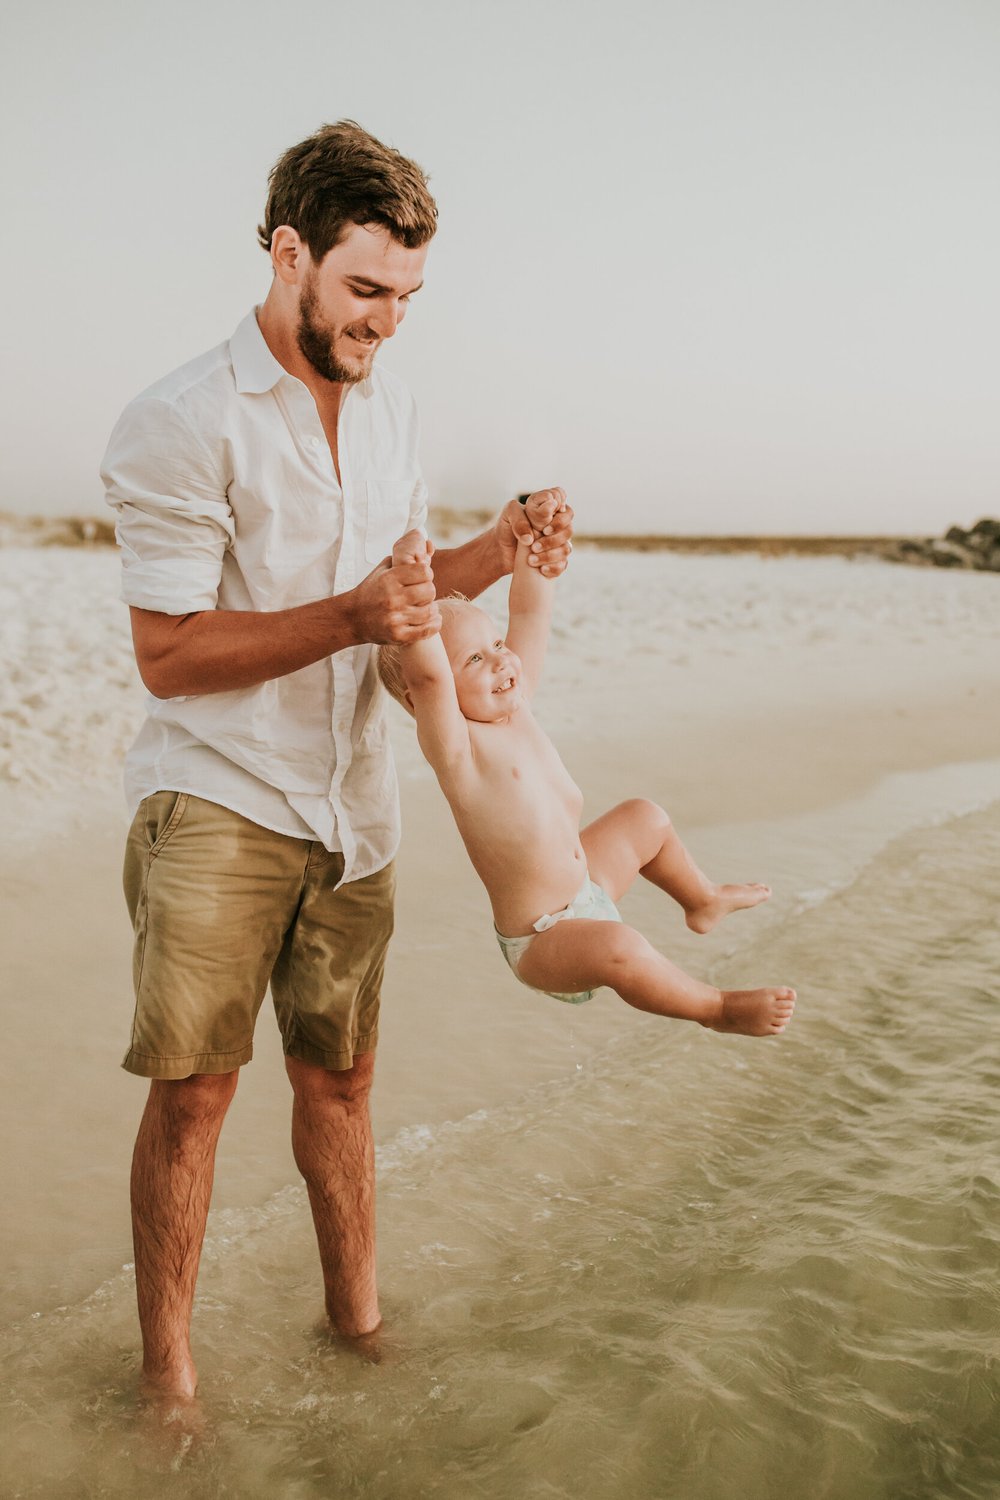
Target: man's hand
[552, 542]
[396, 602]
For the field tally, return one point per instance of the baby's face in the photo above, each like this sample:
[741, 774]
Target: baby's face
[487, 674]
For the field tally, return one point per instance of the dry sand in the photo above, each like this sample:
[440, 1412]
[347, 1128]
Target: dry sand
[756, 698]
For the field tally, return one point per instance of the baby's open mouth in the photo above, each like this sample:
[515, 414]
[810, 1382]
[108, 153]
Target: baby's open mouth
[504, 685]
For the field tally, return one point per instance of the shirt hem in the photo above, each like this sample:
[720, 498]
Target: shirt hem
[307, 837]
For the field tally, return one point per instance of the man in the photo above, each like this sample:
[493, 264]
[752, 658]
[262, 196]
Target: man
[259, 490]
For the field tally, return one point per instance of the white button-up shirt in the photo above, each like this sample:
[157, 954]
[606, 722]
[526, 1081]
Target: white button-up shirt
[227, 498]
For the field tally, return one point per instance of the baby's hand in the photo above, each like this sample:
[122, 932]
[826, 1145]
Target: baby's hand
[542, 506]
[414, 547]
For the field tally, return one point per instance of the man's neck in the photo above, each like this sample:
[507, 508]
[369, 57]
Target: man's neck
[279, 336]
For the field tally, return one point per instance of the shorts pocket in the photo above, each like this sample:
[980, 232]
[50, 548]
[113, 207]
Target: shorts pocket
[162, 812]
[390, 503]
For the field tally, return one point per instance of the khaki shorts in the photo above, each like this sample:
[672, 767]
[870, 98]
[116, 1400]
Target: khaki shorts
[221, 907]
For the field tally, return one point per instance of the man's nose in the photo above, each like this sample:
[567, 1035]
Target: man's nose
[385, 318]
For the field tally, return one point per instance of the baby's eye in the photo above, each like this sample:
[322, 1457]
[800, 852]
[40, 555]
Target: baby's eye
[499, 645]
[475, 657]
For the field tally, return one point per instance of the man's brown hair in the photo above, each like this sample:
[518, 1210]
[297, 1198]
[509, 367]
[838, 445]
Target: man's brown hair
[341, 175]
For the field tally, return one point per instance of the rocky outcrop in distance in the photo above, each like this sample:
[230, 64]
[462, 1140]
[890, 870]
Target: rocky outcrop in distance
[977, 548]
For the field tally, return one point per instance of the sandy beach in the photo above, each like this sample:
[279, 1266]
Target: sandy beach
[733, 689]
[795, 715]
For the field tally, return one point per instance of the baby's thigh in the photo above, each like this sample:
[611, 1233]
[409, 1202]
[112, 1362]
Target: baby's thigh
[580, 955]
[621, 841]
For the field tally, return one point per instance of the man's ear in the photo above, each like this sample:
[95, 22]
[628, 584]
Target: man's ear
[407, 695]
[289, 256]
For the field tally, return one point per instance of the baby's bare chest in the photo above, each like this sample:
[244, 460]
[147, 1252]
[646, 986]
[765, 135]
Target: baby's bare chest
[522, 766]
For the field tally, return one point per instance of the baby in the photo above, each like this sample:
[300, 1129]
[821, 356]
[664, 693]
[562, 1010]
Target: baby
[552, 885]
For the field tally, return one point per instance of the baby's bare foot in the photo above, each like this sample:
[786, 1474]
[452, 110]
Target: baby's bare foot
[724, 899]
[754, 1012]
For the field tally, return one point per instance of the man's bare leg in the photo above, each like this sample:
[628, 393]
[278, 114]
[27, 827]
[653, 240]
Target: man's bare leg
[638, 838]
[334, 1151]
[173, 1166]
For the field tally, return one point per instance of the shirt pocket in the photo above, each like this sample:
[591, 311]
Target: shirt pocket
[390, 502]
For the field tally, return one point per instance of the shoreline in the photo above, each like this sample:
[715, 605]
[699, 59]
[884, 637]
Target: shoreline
[442, 978]
[559, 1184]
[761, 546]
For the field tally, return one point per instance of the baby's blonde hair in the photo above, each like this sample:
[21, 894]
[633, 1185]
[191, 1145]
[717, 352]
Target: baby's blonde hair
[389, 659]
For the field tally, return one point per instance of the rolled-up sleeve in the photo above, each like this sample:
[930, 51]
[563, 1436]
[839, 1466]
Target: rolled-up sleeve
[174, 521]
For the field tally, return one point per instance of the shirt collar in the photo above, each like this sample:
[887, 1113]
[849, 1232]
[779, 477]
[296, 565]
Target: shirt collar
[255, 367]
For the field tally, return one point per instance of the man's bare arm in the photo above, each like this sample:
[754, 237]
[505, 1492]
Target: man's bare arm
[216, 650]
[471, 568]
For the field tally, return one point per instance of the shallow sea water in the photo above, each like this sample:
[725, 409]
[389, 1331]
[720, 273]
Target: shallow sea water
[702, 1268]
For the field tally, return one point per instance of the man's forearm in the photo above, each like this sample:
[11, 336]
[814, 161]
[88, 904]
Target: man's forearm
[218, 650]
[471, 568]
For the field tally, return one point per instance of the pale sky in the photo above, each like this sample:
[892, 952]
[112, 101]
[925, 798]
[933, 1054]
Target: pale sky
[713, 265]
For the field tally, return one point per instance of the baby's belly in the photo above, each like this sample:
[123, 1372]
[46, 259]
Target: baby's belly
[534, 882]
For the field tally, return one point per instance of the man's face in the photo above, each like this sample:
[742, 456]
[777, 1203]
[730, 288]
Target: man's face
[353, 299]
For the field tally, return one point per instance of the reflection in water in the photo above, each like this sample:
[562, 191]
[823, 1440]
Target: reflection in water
[705, 1268]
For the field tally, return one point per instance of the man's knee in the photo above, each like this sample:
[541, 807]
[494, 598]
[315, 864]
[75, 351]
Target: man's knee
[335, 1086]
[190, 1103]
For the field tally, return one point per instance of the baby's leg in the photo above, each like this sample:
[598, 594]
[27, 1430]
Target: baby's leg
[638, 838]
[583, 955]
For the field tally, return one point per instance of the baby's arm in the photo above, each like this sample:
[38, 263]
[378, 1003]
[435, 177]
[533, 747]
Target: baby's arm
[531, 594]
[442, 730]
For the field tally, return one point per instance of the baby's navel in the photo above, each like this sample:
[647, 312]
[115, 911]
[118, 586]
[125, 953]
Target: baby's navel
[515, 773]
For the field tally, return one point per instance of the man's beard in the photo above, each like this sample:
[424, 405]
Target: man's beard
[316, 342]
